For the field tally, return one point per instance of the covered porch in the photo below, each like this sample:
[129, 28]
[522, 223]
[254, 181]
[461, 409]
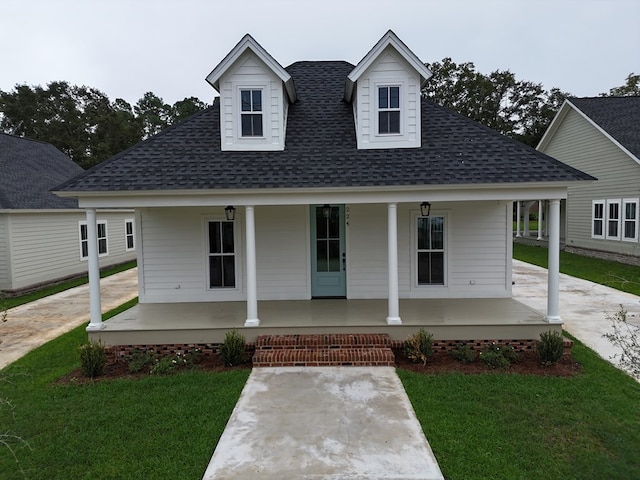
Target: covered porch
[208, 322]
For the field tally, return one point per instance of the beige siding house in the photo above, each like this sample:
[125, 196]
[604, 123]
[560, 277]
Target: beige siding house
[43, 237]
[600, 136]
[324, 197]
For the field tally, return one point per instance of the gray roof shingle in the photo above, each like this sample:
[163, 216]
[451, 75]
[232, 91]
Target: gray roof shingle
[29, 169]
[321, 151]
[618, 116]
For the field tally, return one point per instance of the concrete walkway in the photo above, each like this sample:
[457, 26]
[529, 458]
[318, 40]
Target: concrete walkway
[583, 305]
[30, 325]
[323, 423]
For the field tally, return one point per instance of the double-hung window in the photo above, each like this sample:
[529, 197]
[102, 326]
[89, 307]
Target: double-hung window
[613, 220]
[129, 237]
[630, 219]
[251, 113]
[222, 257]
[103, 246]
[388, 110]
[597, 220]
[431, 250]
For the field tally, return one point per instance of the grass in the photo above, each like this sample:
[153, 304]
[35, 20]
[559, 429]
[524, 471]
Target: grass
[605, 272]
[61, 287]
[155, 427]
[522, 427]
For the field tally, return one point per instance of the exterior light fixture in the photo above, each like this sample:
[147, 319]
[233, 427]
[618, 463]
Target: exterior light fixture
[326, 210]
[230, 212]
[425, 209]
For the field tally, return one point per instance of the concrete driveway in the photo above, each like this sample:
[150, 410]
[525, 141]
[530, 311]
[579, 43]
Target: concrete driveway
[33, 324]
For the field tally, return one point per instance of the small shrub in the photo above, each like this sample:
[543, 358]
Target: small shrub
[93, 358]
[417, 347]
[232, 348]
[163, 365]
[464, 353]
[139, 360]
[550, 348]
[498, 356]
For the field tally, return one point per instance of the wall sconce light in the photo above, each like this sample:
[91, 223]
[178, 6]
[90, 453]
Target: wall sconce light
[326, 211]
[425, 209]
[230, 212]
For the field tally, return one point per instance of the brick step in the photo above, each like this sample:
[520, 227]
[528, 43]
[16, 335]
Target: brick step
[310, 357]
[323, 341]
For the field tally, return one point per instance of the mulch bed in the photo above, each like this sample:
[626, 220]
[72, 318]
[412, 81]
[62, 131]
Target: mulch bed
[438, 363]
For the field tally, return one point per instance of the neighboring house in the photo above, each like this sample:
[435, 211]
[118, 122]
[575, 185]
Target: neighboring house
[600, 136]
[43, 238]
[324, 180]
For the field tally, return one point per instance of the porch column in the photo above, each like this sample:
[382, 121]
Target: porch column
[518, 215]
[252, 282]
[392, 233]
[553, 284]
[95, 307]
[525, 219]
[540, 203]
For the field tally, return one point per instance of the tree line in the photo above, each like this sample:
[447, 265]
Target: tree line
[87, 126]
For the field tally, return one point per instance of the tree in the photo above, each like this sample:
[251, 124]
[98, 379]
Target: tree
[520, 109]
[153, 112]
[183, 109]
[630, 88]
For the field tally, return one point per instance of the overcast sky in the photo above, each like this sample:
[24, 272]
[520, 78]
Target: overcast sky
[128, 47]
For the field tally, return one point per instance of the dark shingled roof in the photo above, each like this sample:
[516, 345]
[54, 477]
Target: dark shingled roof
[28, 170]
[618, 116]
[321, 151]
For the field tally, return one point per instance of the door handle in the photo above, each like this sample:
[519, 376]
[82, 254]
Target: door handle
[344, 261]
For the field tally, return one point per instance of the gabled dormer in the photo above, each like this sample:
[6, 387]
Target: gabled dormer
[384, 89]
[255, 93]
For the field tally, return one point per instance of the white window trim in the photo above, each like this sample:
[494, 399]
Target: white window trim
[625, 202]
[603, 219]
[126, 235]
[376, 110]
[237, 245]
[106, 237]
[238, 112]
[414, 250]
[609, 219]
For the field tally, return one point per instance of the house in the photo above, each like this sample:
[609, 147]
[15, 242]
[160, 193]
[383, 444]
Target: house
[43, 238]
[324, 197]
[600, 136]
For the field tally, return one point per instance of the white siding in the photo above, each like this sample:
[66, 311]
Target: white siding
[581, 145]
[388, 69]
[250, 72]
[5, 279]
[45, 246]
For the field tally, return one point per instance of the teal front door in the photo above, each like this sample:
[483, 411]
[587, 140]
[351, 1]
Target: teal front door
[328, 275]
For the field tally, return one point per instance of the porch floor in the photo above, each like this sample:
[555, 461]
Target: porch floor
[446, 319]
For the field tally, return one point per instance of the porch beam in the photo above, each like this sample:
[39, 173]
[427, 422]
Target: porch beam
[252, 282]
[553, 283]
[392, 233]
[95, 304]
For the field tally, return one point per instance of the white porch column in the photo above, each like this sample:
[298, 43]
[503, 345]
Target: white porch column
[525, 219]
[392, 233]
[540, 203]
[553, 284]
[252, 282]
[95, 306]
[518, 215]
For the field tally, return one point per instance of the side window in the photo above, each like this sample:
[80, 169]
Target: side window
[388, 110]
[129, 236]
[251, 113]
[613, 220]
[103, 248]
[431, 250]
[597, 220]
[221, 253]
[630, 220]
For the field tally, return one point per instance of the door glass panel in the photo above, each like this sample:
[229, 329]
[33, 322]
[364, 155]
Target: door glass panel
[334, 223]
[334, 255]
[321, 256]
[321, 224]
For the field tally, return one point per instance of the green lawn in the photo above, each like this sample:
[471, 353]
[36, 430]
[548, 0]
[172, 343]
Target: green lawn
[613, 274]
[526, 427]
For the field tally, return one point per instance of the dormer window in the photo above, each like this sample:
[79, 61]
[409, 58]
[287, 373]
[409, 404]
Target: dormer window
[388, 110]
[251, 113]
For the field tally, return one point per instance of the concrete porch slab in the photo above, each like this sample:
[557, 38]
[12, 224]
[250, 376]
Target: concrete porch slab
[323, 423]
